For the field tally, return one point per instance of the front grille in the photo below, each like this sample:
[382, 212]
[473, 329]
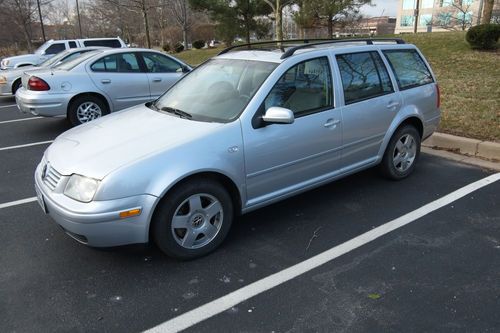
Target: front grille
[50, 176]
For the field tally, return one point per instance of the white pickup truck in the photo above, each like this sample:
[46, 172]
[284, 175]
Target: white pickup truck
[52, 47]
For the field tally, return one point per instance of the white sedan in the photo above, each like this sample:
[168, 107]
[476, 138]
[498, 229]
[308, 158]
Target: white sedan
[99, 82]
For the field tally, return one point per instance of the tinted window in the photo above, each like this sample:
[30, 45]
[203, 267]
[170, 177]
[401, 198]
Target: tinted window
[55, 48]
[72, 56]
[304, 88]
[72, 45]
[363, 76]
[409, 68]
[157, 63]
[103, 42]
[123, 63]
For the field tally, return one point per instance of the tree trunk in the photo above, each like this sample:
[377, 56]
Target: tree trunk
[41, 20]
[28, 38]
[185, 37]
[487, 11]
[146, 24]
[279, 21]
[330, 26]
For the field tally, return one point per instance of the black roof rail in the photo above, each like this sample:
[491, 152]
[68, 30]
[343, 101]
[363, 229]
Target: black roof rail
[368, 41]
[277, 42]
[306, 43]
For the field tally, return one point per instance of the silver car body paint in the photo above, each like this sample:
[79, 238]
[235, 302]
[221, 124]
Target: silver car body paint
[139, 154]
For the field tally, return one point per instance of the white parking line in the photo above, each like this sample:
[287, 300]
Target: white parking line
[16, 120]
[17, 202]
[224, 303]
[7, 106]
[27, 145]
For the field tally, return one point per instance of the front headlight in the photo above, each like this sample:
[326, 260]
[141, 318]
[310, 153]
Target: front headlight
[81, 188]
[3, 79]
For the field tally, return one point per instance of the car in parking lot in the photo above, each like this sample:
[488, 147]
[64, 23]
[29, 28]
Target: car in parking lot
[245, 129]
[10, 80]
[52, 47]
[98, 83]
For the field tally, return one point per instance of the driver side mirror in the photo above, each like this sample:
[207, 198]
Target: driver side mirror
[185, 69]
[278, 115]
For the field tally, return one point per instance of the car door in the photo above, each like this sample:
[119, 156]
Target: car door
[162, 72]
[120, 77]
[52, 50]
[370, 105]
[283, 158]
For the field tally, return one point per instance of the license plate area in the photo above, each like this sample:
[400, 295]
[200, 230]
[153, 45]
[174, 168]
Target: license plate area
[41, 201]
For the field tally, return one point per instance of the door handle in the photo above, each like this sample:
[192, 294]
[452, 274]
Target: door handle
[392, 105]
[105, 81]
[157, 79]
[331, 123]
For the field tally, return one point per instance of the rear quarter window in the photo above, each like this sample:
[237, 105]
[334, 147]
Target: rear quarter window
[409, 68]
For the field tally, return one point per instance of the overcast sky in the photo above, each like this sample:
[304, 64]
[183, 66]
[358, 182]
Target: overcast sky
[388, 7]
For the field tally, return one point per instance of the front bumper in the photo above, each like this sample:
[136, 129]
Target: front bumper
[96, 223]
[41, 103]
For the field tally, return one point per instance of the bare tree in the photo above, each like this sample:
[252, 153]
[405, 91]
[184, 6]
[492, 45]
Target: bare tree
[139, 6]
[181, 12]
[458, 17]
[277, 6]
[22, 13]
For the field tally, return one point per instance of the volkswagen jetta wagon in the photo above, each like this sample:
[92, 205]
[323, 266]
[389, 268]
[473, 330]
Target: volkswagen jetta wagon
[247, 128]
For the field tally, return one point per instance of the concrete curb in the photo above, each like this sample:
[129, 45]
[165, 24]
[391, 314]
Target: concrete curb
[465, 146]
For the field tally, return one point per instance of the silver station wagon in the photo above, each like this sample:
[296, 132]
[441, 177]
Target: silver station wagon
[246, 129]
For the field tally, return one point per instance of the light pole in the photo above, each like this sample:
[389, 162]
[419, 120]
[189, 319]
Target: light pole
[41, 20]
[79, 22]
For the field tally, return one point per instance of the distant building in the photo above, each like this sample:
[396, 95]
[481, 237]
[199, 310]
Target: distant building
[440, 15]
[382, 25]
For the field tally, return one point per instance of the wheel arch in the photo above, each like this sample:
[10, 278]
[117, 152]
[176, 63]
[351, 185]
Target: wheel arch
[413, 120]
[14, 84]
[94, 94]
[228, 184]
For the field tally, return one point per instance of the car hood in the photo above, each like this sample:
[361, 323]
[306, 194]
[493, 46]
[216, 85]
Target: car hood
[97, 148]
[33, 58]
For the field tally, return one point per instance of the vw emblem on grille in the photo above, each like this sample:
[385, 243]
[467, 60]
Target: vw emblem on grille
[45, 170]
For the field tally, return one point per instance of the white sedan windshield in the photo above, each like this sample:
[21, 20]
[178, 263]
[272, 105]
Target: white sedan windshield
[218, 90]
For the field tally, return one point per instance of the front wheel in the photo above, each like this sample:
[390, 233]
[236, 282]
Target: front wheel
[86, 108]
[193, 219]
[401, 154]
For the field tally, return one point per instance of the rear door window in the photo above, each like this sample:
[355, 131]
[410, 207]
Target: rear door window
[117, 63]
[72, 44]
[364, 76]
[409, 68]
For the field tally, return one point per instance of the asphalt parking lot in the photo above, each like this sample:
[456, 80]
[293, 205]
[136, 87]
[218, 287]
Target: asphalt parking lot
[438, 273]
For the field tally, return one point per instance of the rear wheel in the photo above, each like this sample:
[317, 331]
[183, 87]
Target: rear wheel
[402, 153]
[86, 108]
[193, 219]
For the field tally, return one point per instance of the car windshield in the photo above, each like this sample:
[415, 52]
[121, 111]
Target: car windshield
[69, 65]
[54, 59]
[217, 91]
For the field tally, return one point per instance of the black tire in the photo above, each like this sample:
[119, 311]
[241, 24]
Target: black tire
[389, 166]
[168, 238]
[16, 85]
[100, 107]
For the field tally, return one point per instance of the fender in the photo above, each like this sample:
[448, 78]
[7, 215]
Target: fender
[23, 64]
[407, 112]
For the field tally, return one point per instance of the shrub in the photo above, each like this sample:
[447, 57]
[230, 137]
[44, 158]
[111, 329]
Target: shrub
[178, 47]
[198, 44]
[166, 47]
[483, 36]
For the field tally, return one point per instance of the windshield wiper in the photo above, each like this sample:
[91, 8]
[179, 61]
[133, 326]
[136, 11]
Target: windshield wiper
[152, 106]
[177, 112]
